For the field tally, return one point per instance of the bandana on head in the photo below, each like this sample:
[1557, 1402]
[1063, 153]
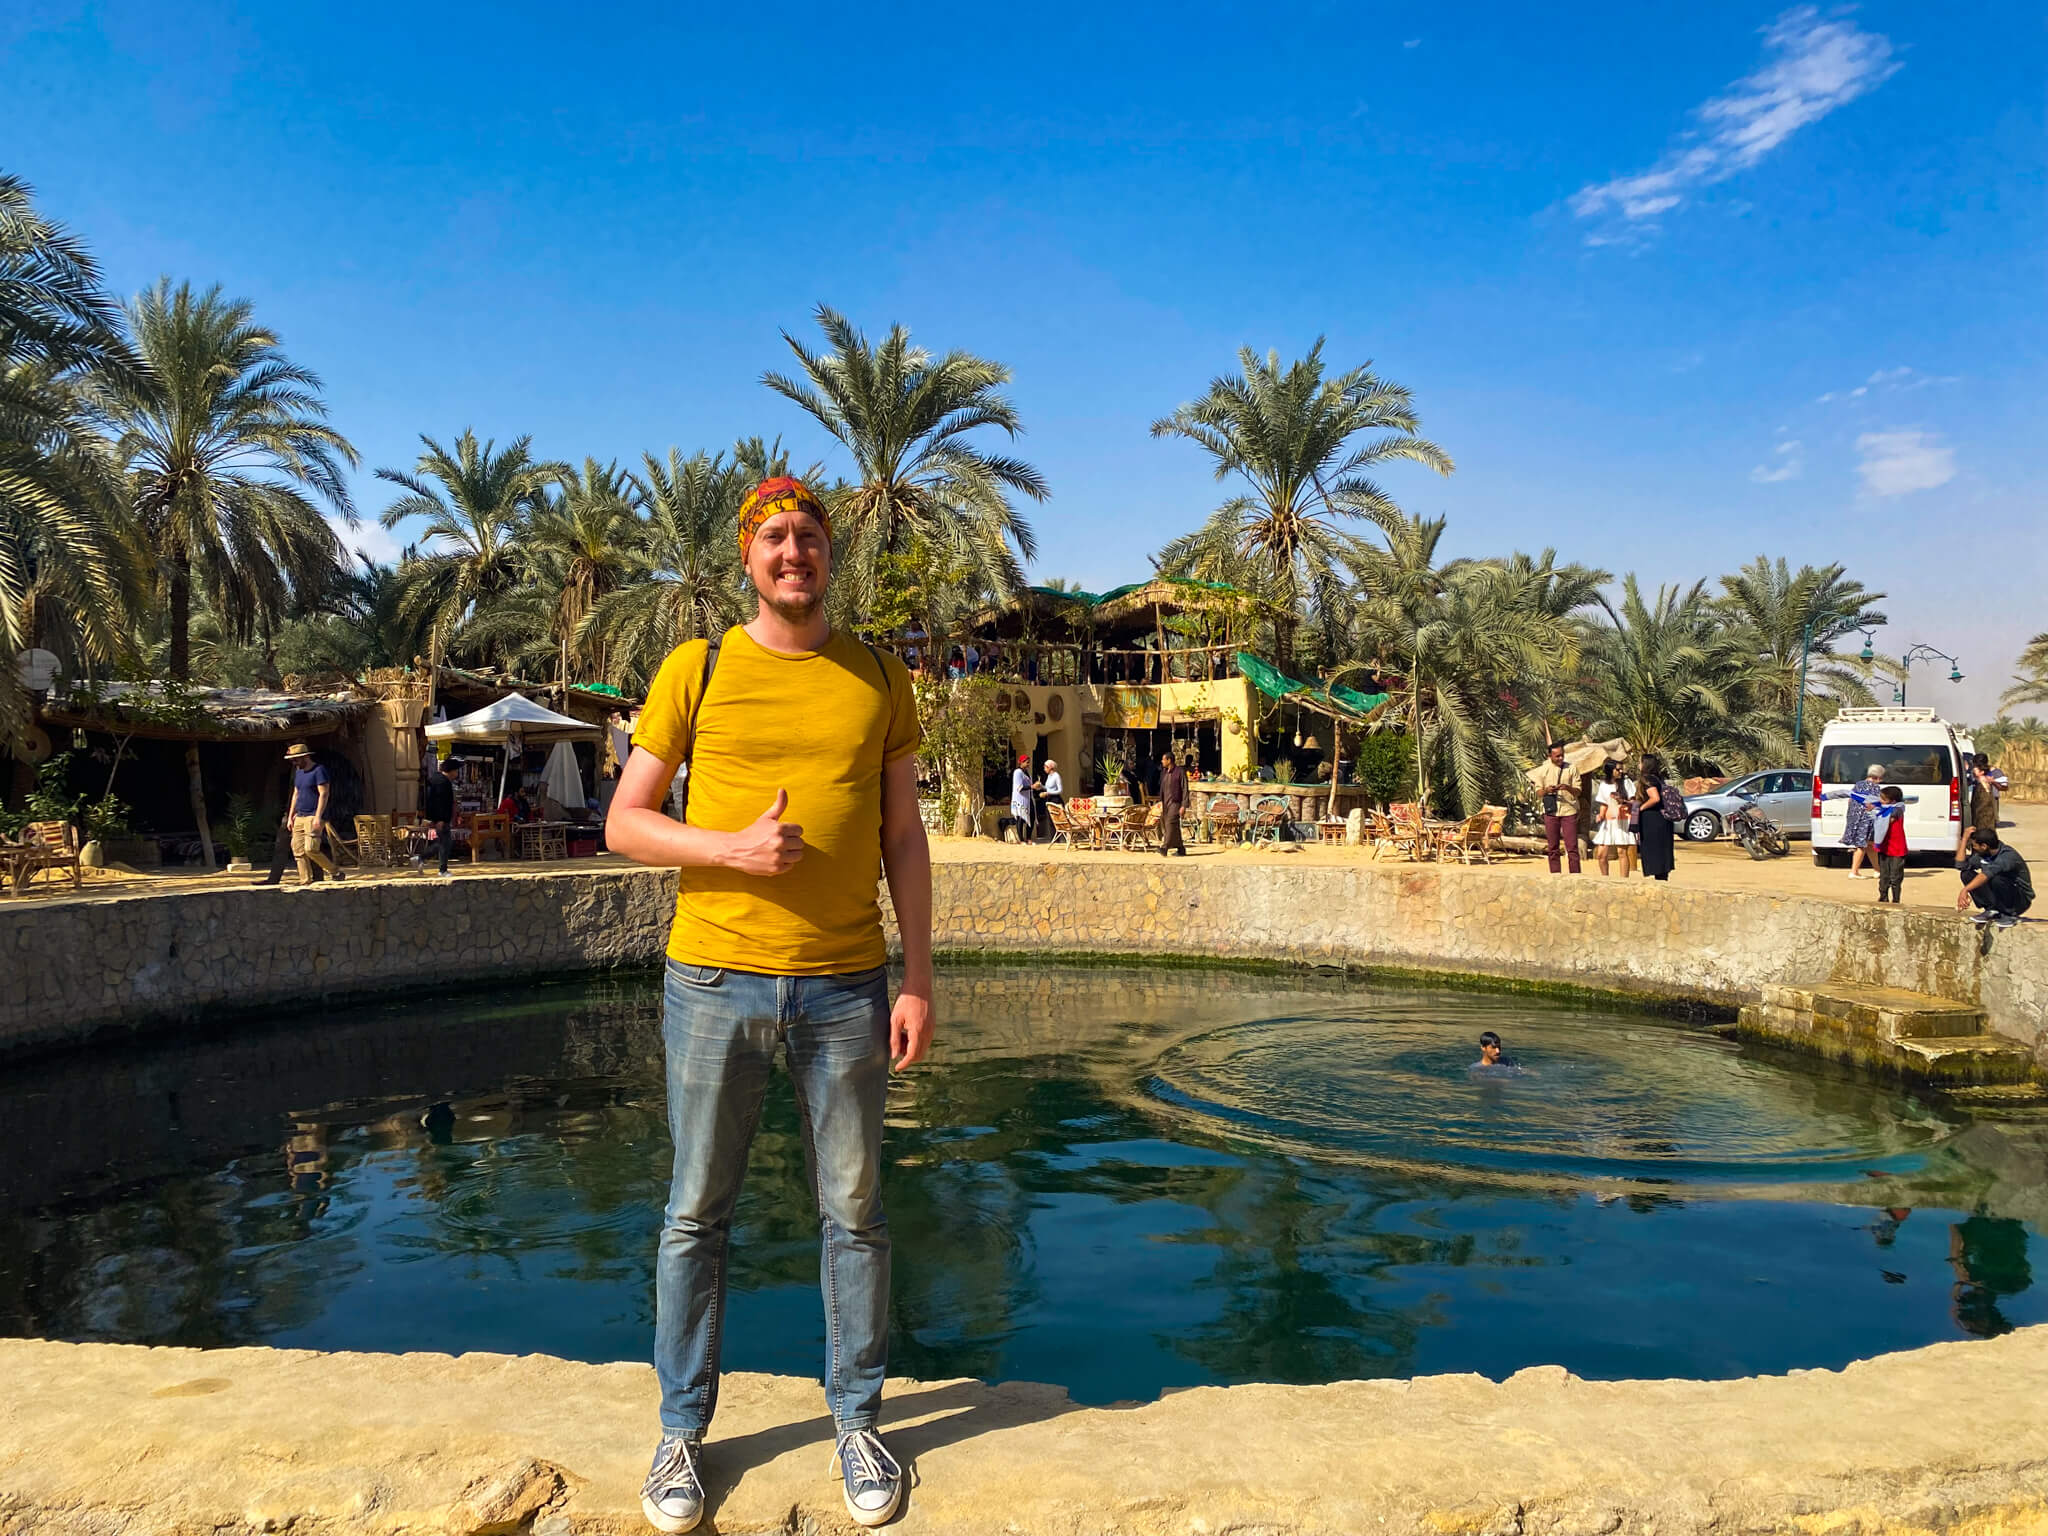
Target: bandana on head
[782, 494]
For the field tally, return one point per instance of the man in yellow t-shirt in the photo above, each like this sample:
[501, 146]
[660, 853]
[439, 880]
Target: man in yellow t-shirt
[801, 789]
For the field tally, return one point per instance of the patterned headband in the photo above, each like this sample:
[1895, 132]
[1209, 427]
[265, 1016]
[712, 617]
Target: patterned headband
[782, 494]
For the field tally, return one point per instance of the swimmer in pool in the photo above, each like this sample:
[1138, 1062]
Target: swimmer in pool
[1492, 1059]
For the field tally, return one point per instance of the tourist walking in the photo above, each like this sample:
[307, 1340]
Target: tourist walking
[305, 815]
[437, 807]
[1558, 784]
[1173, 799]
[1863, 796]
[1656, 831]
[777, 943]
[1614, 811]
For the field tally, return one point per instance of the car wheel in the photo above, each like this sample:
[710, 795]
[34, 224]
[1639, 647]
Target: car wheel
[1702, 827]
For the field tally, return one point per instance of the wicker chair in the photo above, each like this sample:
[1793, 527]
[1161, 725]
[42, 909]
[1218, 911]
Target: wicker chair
[1496, 824]
[1383, 832]
[1134, 827]
[1062, 827]
[371, 847]
[1467, 844]
[1226, 821]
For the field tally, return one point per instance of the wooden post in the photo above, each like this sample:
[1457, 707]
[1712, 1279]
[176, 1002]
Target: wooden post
[198, 790]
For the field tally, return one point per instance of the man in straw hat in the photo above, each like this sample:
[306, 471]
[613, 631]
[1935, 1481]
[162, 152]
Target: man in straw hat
[305, 812]
[802, 752]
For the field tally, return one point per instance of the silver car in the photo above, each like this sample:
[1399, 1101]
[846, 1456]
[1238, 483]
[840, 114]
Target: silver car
[1785, 795]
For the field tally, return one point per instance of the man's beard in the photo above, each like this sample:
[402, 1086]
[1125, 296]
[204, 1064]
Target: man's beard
[791, 610]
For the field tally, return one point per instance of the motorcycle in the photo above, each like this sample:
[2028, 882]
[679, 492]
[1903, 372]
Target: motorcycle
[1761, 837]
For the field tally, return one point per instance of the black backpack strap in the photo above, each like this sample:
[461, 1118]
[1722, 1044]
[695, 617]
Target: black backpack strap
[711, 646]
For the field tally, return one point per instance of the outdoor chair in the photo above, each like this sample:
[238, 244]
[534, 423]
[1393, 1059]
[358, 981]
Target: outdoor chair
[1467, 841]
[1496, 824]
[1134, 827]
[12, 856]
[371, 846]
[47, 845]
[489, 827]
[1226, 823]
[1383, 832]
[1062, 826]
[1269, 819]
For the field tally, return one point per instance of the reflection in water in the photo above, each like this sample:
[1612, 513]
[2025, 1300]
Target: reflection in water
[1122, 1181]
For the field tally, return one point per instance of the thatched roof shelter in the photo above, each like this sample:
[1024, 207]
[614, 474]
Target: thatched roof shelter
[163, 712]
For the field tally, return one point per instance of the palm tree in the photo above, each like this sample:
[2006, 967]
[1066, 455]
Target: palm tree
[690, 550]
[1772, 610]
[1290, 435]
[583, 545]
[222, 444]
[1672, 678]
[1473, 639]
[905, 416]
[68, 574]
[475, 501]
[2030, 682]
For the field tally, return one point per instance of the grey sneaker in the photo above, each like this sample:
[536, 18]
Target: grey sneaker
[672, 1498]
[874, 1480]
[2006, 920]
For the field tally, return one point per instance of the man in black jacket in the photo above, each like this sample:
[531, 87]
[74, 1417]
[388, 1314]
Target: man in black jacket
[437, 807]
[1996, 879]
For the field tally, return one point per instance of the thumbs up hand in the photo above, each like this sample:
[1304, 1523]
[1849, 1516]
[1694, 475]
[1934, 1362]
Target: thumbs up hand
[768, 845]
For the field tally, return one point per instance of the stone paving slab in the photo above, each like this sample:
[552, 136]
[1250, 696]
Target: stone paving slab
[119, 1440]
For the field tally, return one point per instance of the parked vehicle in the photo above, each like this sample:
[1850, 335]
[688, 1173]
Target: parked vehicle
[1918, 750]
[1784, 795]
[1761, 837]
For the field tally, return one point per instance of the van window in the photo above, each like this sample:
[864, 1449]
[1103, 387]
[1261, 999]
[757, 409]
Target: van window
[1926, 763]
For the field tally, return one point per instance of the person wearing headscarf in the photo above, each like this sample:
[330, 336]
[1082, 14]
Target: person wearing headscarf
[1860, 831]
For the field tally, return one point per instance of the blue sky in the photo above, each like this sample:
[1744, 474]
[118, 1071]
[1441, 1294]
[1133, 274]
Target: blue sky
[1673, 285]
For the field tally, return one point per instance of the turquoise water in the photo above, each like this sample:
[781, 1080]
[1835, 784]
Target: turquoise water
[1122, 1181]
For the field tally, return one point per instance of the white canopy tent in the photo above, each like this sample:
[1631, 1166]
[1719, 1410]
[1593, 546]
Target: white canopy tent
[514, 717]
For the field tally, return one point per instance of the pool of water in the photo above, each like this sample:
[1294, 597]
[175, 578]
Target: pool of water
[1122, 1181]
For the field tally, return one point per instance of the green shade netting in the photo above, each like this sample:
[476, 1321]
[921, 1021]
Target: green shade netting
[1341, 702]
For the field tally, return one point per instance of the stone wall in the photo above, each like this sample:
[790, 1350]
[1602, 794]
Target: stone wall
[75, 967]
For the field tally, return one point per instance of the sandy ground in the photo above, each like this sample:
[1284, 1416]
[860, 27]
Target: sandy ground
[1721, 866]
[1703, 866]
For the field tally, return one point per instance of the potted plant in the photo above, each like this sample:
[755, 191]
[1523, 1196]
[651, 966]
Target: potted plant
[238, 832]
[105, 820]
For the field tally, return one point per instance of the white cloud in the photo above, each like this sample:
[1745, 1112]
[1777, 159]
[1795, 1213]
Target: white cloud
[370, 537]
[1789, 467]
[1890, 375]
[1900, 462]
[1413, 42]
[1813, 64]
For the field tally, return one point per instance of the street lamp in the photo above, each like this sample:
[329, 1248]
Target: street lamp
[1926, 653]
[1805, 645]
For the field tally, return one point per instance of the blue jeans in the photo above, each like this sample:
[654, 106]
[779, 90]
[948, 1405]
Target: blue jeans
[720, 1030]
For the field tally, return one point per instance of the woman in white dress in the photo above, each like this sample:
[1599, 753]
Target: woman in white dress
[1613, 804]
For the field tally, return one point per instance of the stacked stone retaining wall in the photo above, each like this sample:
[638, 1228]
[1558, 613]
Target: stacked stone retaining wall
[73, 968]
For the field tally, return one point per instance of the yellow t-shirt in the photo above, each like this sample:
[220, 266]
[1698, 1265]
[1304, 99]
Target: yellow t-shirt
[820, 725]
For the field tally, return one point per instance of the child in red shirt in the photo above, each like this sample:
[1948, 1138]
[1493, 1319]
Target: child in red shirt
[1888, 842]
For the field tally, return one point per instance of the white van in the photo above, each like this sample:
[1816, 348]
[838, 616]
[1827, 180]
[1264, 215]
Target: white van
[1920, 752]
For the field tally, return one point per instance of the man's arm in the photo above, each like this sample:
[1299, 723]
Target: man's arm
[636, 827]
[907, 859]
[320, 806]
